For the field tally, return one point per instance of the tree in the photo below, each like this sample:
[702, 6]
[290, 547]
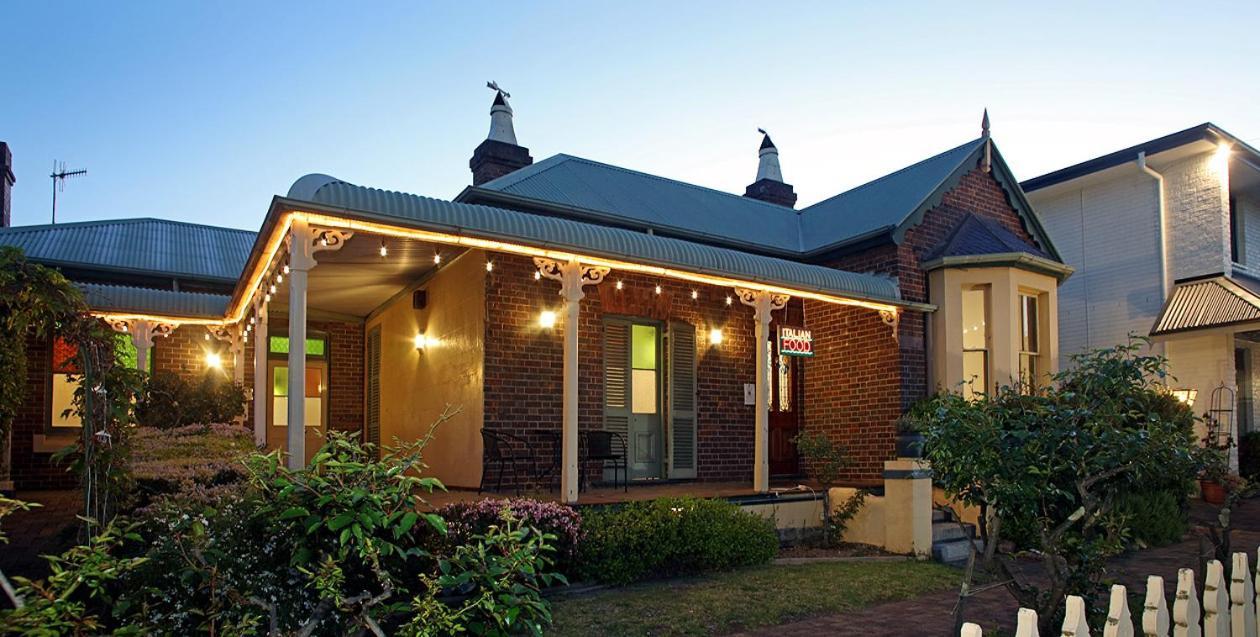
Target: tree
[1046, 465]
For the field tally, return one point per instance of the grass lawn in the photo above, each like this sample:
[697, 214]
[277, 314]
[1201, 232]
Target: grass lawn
[749, 598]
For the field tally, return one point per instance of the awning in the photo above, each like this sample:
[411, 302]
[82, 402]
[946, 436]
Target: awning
[1206, 303]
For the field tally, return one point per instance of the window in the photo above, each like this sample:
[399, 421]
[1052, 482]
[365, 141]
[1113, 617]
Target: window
[975, 341]
[315, 345]
[1030, 342]
[65, 377]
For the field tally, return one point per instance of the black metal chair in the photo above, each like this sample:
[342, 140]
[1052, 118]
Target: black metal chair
[504, 452]
[605, 447]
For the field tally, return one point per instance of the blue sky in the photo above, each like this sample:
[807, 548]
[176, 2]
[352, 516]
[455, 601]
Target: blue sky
[203, 111]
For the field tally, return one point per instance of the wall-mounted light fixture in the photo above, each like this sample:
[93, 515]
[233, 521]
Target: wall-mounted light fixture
[1186, 396]
[423, 342]
[547, 319]
[213, 360]
[715, 336]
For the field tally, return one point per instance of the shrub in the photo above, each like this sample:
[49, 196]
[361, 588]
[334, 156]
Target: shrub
[465, 521]
[672, 536]
[191, 460]
[1249, 455]
[1154, 518]
[170, 400]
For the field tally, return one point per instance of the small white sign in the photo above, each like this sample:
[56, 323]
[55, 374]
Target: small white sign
[750, 394]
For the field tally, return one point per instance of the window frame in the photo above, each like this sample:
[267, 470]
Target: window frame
[1034, 355]
[987, 351]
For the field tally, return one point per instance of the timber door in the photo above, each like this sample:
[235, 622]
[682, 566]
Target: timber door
[316, 388]
[785, 414]
[632, 393]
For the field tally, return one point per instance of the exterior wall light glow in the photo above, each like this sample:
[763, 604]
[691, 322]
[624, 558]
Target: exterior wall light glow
[658, 289]
[715, 336]
[694, 295]
[547, 319]
[213, 360]
[1186, 396]
[620, 285]
[423, 342]
[489, 266]
[1220, 158]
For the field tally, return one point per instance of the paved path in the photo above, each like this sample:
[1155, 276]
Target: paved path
[932, 614]
[49, 529]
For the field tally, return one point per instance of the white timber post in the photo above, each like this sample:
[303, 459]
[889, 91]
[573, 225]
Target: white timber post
[1119, 619]
[1026, 623]
[1074, 623]
[143, 332]
[971, 630]
[1215, 602]
[573, 276]
[262, 385]
[763, 303]
[1155, 609]
[1186, 613]
[1242, 598]
[304, 242]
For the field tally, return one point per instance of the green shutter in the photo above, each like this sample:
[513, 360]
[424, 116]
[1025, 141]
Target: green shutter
[374, 388]
[682, 400]
[617, 376]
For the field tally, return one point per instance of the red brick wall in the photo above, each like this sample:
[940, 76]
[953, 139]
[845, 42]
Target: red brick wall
[524, 364]
[32, 470]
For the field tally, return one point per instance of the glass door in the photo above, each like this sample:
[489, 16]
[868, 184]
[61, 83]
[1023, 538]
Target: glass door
[315, 388]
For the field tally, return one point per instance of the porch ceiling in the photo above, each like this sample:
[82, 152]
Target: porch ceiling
[353, 281]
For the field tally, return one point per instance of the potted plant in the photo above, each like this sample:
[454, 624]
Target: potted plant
[1216, 474]
[909, 436]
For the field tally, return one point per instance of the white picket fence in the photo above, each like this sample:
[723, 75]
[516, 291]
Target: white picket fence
[1227, 610]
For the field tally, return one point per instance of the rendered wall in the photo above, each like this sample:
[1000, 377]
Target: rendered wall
[1203, 361]
[1198, 206]
[416, 385]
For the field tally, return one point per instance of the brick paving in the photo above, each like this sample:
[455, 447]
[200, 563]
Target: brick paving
[995, 610]
[49, 529]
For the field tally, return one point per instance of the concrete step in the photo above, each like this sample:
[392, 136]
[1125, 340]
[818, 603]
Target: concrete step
[954, 552]
[947, 531]
[940, 515]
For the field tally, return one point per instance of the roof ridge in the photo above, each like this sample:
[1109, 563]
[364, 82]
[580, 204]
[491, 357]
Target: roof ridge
[674, 181]
[892, 174]
[128, 221]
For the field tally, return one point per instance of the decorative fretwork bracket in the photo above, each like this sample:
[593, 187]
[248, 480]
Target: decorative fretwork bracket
[305, 241]
[763, 302]
[572, 275]
[892, 318]
[143, 331]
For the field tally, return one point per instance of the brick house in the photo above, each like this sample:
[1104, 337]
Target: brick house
[1165, 238]
[552, 301]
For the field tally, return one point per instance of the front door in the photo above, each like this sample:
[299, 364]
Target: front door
[646, 440]
[785, 413]
[316, 387]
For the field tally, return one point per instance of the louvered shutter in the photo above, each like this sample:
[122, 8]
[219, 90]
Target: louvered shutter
[617, 376]
[682, 400]
[373, 389]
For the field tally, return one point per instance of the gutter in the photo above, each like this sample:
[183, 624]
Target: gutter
[1164, 275]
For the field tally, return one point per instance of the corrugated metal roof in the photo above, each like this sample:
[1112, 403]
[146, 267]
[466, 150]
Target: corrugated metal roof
[884, 203]
[615, 243]
[148, 246]
[978, 235]
[127, 299]
[1207, 303]
[610, 193]
[640, 198]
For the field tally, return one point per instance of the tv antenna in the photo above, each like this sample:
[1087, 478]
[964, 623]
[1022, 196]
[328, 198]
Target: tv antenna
[59, 176]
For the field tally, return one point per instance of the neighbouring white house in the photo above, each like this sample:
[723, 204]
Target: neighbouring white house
[1165, 240]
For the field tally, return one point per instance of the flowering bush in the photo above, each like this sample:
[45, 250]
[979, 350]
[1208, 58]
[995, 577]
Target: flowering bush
[195, 461]
[466, 520]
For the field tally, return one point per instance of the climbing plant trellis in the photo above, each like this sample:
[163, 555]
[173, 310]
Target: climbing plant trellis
[1227, 608]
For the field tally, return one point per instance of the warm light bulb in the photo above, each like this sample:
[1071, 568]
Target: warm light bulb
[489, 266]
[421, 341]
[266, 298]
[537, 275]
[273, 288]
[715, 336]
[279, 278]
[620, 285]
[658, 289]
[728, 299]
[437, 258]
[694, 295]
[286, 268]
[547, 319]
[384, 249]
[207, 335]
[213, 360]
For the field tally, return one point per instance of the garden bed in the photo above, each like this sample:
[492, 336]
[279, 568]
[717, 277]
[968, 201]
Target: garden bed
[841, 549]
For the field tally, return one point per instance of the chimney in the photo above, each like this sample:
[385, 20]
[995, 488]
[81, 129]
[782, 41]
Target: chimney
[6, 186]
[769, 186]
[499, 154]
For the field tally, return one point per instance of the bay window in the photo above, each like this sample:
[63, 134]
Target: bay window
[975, 341]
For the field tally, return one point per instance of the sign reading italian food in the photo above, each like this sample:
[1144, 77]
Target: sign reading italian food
[795, 341]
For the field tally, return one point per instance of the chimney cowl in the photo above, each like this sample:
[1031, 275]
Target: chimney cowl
[499, 154]
[769, 186]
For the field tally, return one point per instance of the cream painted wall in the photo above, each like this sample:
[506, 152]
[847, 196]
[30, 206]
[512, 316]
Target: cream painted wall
[1005, 285]
[416, 386]
[1202, 361]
